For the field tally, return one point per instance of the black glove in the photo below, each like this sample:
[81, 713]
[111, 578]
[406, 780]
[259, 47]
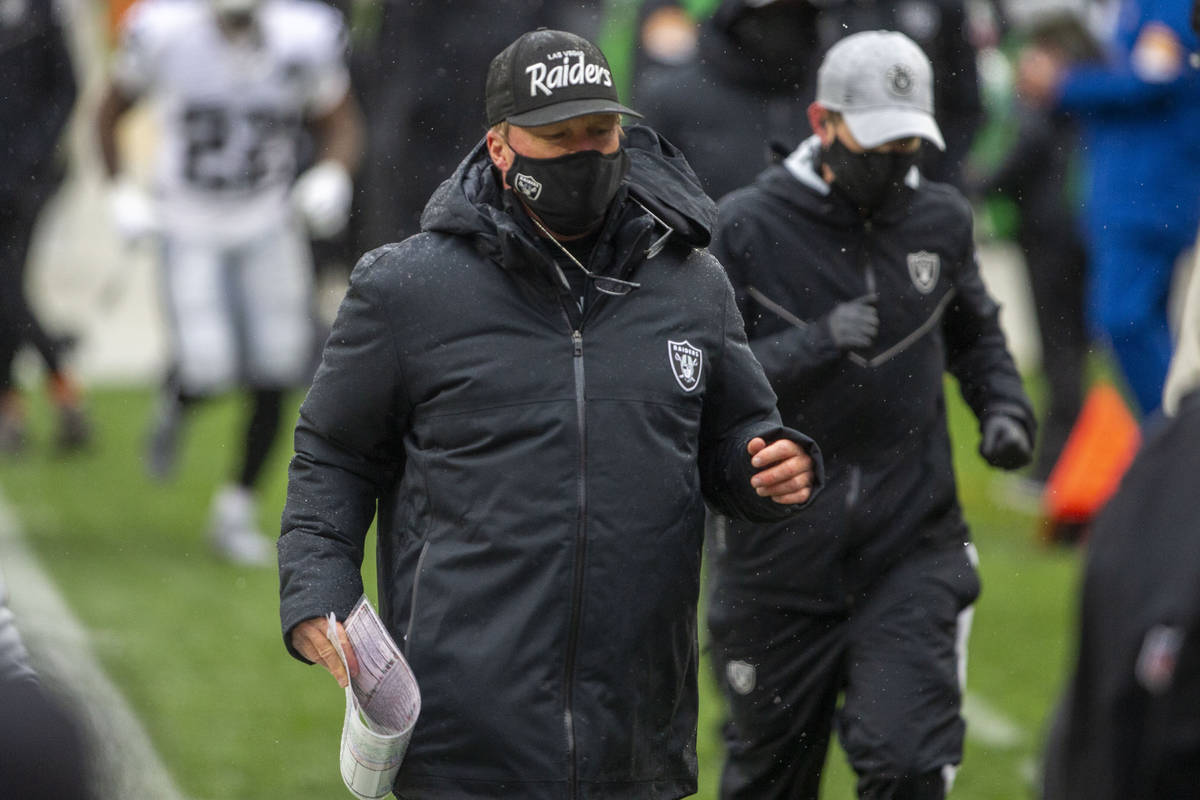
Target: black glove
[1004, 442]
[853, 324]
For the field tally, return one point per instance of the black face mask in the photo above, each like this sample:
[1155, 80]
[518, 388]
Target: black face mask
[867, 179]
[571, 193]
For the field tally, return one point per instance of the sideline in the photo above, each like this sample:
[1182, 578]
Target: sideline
[124, 761]
[990, 726]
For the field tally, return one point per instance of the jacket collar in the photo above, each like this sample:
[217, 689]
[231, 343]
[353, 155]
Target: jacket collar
[802, 165]
[660, 191]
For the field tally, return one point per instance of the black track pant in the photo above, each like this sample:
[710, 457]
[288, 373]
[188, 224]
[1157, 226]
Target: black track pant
[18, 323]
[895, 661]
[1056, 264]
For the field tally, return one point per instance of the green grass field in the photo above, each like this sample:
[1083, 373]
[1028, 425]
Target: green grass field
[194, 644]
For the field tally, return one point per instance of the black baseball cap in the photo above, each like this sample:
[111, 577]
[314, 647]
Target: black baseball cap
[547, 76]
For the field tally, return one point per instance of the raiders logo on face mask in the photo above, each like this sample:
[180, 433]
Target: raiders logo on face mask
[528, 186]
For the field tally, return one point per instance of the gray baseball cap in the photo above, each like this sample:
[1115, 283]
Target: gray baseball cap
[882, 84]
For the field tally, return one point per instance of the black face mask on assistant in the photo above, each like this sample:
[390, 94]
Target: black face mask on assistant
[867, 179]
[570, 193]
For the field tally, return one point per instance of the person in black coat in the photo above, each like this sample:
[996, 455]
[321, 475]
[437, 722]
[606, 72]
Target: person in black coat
[1127, 725]
[418, 74]
[1036, 175]
[742, 103]
[39, 96]
[537, 395]
[858, 283]
[747, 88]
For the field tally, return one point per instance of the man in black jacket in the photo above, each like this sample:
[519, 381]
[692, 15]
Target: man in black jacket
[536, 395]
[859, 286]
[748, 89]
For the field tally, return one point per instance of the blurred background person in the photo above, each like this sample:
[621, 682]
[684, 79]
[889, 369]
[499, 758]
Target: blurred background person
[1139, 112]
[1036, 173]
[742, 102]
[747, 88]
[233, 81]
[1184, 373]
[666, 34]
[1128, 723]
[39, 96]
[418, 70]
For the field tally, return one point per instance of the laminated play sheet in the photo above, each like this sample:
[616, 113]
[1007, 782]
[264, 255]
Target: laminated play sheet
[382, 705]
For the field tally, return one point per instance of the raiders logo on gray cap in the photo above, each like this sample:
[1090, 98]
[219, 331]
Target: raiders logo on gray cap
[882, 84]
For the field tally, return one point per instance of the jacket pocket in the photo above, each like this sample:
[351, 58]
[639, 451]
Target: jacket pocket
[416, 587]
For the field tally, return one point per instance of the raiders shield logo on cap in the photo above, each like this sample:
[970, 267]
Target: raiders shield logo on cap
[686, 363]
[923, 268]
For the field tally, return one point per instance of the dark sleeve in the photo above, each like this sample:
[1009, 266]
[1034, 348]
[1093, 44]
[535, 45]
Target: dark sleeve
[957, 98]
[655, 94]
[348, 451]
[1035, 136]
[738, 406]
[792, 356]
[976, 349]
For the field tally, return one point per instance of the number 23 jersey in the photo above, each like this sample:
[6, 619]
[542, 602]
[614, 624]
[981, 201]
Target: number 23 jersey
[230, 111]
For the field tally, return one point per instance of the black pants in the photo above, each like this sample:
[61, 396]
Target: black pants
[894, 659]
[1056, 262]
[18, 324]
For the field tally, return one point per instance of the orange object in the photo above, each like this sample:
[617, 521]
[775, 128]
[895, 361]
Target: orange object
[1099, 450]
[116, 10]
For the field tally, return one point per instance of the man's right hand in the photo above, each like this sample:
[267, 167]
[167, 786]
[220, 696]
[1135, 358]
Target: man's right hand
[855, 323]
[310, 641]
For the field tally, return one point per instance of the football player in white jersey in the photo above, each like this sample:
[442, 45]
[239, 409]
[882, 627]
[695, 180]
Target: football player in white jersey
[233, 82]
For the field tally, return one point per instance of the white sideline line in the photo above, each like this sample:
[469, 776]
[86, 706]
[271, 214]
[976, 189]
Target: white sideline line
[988, 725]
[126, 765]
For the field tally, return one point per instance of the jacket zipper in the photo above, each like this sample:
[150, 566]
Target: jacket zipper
[580, 552]
[412, 607]
[868, 266]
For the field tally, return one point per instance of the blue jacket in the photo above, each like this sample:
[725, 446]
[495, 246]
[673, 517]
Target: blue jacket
[1141, 135]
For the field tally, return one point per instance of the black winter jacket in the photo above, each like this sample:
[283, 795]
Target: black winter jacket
[1128, 723]
[540, 479]
[794, 249]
